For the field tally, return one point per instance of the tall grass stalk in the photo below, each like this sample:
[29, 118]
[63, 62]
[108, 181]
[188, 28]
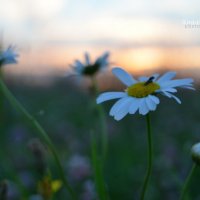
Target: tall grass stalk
[187, 182]
[41, 133]
[102, 122]
[97, 166]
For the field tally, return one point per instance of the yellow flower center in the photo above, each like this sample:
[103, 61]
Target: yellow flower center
[142, 89]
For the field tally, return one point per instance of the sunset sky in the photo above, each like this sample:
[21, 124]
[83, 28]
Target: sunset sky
[50, 34]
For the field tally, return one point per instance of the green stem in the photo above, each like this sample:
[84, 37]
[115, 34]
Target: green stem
[98, 162]
[101, 190]
[41, 132]
[104, 136]
[149, 167]
[1, 102]
[187, 181]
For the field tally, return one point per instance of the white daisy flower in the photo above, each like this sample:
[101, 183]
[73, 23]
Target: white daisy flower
[89, 68]
[8, 56]
[141, 94]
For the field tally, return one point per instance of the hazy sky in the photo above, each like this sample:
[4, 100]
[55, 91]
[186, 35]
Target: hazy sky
[143, 33]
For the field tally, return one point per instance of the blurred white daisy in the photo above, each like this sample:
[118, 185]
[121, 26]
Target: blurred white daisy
[90, 68]
[9, 56]
[141, 94]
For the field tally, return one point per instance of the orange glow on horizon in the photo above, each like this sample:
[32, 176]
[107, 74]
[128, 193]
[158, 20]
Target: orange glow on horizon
[48, 60]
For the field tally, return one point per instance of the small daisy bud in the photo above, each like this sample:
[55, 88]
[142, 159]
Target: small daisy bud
[196, 153]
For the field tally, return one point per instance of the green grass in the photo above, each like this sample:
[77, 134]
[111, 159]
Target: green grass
[67, 114]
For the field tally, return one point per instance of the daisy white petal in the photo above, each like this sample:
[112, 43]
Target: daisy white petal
[134, 105]
[122, 110]
[176, 98]
[173, 90]
[189, 88]
[118, 105]
[143, 108]
[78, 63]
[103, 60]
[154, 99]
[123, 76]
[87, 59]
[78, 66]
[177, 83]
[172, 96]
[166, 94]
[105, 55]
[150, 103]
[109, 96]
[167, 76]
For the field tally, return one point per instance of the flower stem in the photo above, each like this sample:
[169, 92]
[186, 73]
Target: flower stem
[149, 167]
[187, 181]
[104, 136]
[41, 132]
[101, 190]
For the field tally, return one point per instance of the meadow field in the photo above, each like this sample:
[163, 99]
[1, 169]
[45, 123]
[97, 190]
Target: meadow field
[68, 113]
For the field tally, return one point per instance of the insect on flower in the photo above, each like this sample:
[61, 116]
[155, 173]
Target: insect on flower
[141, 94]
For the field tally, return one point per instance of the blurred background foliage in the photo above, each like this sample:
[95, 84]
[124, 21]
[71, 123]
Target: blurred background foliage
[68, 114]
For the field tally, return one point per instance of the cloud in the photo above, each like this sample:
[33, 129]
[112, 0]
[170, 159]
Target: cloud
[39, 20]
[23, 19]
[38, 9]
